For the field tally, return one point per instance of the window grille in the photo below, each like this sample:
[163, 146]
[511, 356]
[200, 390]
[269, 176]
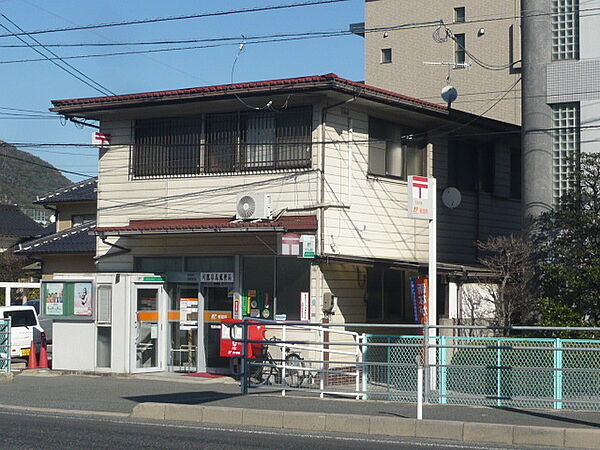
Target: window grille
[460, 54]
[565, 146]
[386, 55]
[460, 15]
[225, 143]
[565, 29]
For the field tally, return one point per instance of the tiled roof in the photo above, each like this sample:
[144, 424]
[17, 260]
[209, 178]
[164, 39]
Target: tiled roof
[13, 222]
[285, 85]
[72, 240]
[84, 191]
[184, 226]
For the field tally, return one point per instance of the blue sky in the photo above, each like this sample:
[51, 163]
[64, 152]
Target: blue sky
[32, 85]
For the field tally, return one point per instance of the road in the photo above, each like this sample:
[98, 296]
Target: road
[26, 430]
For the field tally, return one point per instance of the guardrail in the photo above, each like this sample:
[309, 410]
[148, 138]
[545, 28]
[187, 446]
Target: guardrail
[5, 345]
[354, 360]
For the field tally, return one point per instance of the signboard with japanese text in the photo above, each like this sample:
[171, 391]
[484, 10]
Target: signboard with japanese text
[216, 277]
[419, 290]
[421, 196]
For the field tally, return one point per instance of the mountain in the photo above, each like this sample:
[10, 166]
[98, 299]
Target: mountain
[21, 182]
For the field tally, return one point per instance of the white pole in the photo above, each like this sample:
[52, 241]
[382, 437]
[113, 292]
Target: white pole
[283, 360]
[432, 283]
[419, 389]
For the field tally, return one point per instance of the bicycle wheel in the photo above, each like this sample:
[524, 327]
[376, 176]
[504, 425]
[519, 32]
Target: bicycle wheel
[294, 371]
[261, 370]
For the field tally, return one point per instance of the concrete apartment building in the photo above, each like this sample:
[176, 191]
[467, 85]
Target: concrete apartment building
[488, 30]
[561, 92]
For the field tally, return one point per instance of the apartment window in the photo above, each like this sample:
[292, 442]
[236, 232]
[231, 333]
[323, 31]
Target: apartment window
[565, 29]
[459, 49]
[471, 166]
[386, 55]
[515, 173]
[222, 143]
[460, 15]
[395, 151]
[566, 142]
[79, 219]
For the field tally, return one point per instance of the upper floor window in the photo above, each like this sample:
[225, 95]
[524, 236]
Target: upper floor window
[460, 15]
[566, 146]
[460, 52]
[79, 219]
[471, 166]
[386, 55]
[565, 29]
[222, 143]
[395, 151]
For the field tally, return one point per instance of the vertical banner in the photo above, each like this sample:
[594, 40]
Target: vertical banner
[419, 290]
[237, 306]
[304, 307]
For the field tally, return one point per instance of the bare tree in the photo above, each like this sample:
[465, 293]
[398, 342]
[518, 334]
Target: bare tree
[509, 258]
[11, 266]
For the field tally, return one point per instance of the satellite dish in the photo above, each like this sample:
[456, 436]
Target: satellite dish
[449, 94]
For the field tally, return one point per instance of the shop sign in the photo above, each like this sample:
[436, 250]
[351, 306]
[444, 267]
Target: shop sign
[308, 245]
[216, 316]
[419, 290]
[153, 279]
[304, 307]
[237, 306]
[280, 317]
[290, 244]
[216, 277]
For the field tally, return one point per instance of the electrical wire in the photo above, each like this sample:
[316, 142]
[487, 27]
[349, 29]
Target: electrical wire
[96, 86]
[45, 166]
[185, 17]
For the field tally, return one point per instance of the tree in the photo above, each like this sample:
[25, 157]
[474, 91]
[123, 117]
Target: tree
[567, 243]
[11, 266]
[509, 259]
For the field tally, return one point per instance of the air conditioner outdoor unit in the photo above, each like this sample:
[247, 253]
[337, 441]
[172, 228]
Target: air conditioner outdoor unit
[251, 206]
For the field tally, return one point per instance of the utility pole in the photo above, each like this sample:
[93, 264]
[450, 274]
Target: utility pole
[536, 137]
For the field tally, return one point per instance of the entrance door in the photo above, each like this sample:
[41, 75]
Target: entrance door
[218, 305]
[147, 328]
[183, 328]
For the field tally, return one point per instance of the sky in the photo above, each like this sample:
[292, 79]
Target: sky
[32, 85]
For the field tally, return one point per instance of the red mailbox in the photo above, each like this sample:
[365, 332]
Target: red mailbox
[231, 348]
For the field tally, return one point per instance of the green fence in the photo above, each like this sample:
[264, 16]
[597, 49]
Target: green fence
[505, 372]
[4, 345]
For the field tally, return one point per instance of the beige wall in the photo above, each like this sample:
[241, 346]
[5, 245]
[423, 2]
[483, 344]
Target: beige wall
[67, 211]
[412, 47]
[67, 264]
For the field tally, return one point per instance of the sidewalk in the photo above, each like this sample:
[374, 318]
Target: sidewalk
[122, 394]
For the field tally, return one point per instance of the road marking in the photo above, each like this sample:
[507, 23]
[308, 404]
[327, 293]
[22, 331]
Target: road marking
[62, 414]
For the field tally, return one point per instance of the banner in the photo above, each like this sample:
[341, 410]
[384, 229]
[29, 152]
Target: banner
[419, 292]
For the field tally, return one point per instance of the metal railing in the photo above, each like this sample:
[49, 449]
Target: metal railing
[354, 360]
[5, 345]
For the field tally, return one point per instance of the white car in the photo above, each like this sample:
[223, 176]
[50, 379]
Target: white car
[25, 327]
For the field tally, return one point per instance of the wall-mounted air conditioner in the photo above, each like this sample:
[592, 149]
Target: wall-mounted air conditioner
[252, 206]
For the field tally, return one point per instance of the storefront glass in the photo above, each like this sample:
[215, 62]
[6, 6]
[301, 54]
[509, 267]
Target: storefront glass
[147, 328]
[183, 327]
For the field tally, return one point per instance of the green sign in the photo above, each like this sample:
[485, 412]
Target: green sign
[153, 279]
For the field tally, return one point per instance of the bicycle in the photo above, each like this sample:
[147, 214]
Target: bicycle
[265, 369]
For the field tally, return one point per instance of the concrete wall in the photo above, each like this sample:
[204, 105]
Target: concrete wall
[477, 87]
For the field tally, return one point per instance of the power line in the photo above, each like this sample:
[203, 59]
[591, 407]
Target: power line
[45, 166]
[100, 88]
[186, 16]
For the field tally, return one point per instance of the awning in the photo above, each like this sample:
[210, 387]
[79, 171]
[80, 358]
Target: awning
[209, 225]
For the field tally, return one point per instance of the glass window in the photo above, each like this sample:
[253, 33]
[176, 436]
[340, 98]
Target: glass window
[210, 264]
[566, 146]
[104, 304]
[21, 318]
[293, 277]
[82, 218]
[158, 264]
[386, 55]
[103, 347]
[258, 274]
[388, 295]
[460, 14]
[394, 151]
[471, 166]
[459, 49]
[565, 29]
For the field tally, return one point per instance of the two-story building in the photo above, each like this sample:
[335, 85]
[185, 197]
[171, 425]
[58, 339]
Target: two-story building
[270, 199]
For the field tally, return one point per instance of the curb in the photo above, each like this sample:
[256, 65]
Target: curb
[374, 425]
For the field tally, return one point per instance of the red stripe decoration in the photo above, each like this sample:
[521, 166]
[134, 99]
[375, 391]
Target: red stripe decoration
[419, 185]
[423, 179]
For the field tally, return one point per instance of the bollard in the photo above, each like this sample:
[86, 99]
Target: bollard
[419, 388]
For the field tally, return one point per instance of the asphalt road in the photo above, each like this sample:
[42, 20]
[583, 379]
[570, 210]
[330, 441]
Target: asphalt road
[26, 430]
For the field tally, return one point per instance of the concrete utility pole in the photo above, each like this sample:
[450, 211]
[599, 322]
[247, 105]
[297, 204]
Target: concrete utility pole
[536, 48]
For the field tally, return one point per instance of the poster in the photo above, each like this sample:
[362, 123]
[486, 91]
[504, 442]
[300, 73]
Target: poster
[304, 307]
[83, 299]
[54, 299]
[188, 314]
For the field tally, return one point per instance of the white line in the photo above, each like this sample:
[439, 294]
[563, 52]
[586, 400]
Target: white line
[279, 432]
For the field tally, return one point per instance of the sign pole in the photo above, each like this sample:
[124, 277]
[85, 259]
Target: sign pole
[432, 282]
